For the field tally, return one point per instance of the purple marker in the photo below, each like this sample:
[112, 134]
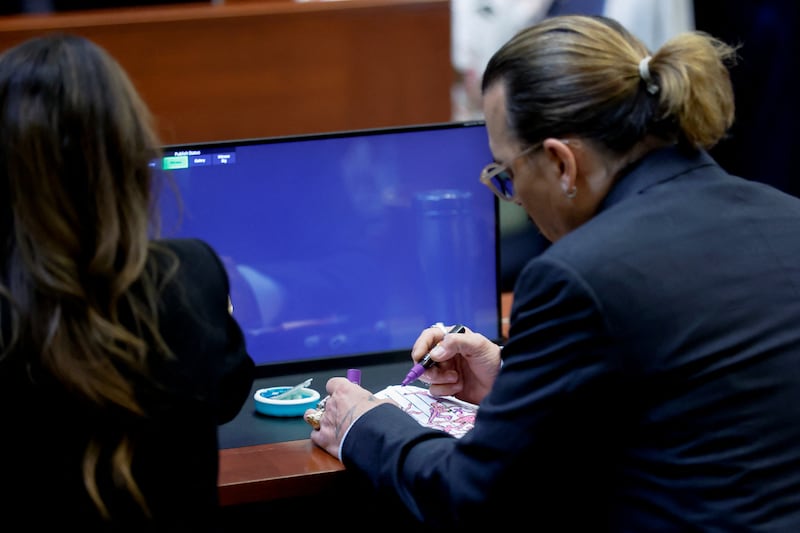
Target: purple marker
[354, 376]
[426, 362]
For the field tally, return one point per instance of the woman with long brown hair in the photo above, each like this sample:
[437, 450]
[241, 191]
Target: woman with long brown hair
[118, 354]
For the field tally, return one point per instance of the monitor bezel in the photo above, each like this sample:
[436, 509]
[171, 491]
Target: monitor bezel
[265, 369]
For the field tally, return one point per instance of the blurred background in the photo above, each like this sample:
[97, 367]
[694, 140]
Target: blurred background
[759, 146]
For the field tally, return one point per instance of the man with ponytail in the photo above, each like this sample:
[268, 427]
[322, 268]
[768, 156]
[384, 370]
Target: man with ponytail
[651, 378]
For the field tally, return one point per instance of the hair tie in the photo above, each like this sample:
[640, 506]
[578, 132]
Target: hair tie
[644, 72]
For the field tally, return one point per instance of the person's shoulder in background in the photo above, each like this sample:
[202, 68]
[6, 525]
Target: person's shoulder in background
[198, 326]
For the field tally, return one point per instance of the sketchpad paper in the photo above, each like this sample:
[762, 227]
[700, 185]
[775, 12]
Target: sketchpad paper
[444, 413]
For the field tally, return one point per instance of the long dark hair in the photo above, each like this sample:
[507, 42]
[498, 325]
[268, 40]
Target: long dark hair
[76, 221]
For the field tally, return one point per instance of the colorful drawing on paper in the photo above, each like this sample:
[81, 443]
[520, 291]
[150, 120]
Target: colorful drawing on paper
[446, 413]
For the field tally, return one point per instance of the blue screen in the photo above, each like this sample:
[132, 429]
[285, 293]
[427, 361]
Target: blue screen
[346, 243]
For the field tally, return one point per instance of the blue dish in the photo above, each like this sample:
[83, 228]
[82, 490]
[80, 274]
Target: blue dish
[294, 405]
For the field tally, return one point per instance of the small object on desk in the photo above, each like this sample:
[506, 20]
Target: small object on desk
[290, 393]
[354, 376]
[267, 401]
[426, 362]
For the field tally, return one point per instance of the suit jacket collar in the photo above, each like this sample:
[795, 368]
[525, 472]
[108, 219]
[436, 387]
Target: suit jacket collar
[658, 166]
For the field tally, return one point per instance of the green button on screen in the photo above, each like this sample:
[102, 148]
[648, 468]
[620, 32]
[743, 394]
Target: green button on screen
[173, 162]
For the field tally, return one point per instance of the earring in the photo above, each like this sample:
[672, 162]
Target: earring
[572, 192]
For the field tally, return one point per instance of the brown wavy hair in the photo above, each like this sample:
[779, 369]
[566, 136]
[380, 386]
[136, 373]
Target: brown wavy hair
[76, 221]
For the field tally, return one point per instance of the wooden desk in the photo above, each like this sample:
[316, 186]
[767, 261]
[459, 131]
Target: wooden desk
[275, 471]
[295, 468]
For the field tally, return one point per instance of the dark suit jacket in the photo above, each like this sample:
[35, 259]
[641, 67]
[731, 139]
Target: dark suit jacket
[651, 381]
[45, 429]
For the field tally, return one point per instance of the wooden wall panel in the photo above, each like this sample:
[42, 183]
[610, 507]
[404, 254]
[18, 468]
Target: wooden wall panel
[254, 69]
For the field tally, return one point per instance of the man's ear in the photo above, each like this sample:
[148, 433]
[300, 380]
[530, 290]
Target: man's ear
[562, 155]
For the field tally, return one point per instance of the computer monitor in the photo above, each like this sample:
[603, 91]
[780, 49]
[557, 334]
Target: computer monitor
[345, 245]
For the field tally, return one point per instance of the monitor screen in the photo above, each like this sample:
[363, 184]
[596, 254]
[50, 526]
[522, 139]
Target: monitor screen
[344, 244]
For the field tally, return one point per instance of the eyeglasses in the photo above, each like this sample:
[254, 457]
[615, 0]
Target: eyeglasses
[499, 178]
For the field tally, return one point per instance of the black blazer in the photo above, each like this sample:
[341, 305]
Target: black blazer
[651, 381]
[44, 429]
